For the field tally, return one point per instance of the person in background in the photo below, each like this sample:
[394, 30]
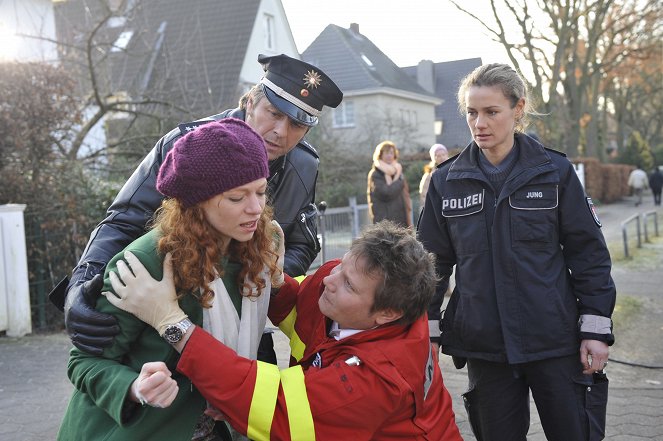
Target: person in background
[392, 170]
[438, 154]
[365, 369]
[388, 200]
[656, 184]
[282, 108]
[532, 303]
[638, 181]
[226, 258]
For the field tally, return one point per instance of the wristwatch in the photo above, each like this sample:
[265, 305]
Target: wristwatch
[174, 333]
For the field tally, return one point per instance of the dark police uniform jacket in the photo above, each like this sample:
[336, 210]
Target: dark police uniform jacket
[291, 188]
[528, 263]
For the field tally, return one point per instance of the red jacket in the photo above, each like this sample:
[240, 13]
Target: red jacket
[394, 391]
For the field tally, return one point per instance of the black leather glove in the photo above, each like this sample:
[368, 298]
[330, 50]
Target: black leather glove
[89, 330]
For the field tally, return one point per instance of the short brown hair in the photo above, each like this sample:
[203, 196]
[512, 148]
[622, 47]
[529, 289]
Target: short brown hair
[407, 270]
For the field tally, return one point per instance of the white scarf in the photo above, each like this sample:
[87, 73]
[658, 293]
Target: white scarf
[222, 321]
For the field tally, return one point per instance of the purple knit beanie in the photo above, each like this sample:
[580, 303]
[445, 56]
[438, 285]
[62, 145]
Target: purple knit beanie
[213, 158]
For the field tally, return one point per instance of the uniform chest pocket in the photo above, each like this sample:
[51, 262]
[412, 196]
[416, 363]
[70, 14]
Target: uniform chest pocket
[534, 216]
[467, 222]
[535, 197]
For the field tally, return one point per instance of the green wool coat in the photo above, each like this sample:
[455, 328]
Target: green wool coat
[99, 407]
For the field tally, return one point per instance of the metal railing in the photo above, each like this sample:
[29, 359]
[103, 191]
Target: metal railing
[646, 215]
[337, 227]
[639, 218]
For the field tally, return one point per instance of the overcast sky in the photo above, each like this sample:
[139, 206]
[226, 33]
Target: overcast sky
[407, 32]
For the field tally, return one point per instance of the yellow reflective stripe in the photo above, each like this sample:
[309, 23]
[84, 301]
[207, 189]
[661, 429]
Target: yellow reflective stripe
[297, 346]
[300, 418]
[287, 325]
[263, 401]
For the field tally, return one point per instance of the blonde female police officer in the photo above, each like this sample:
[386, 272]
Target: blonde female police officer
[533, 297]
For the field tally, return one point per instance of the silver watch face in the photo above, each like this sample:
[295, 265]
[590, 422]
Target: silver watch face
[173, 334]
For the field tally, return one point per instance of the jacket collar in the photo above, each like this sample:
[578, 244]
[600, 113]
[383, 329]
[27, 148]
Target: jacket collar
[532, 156]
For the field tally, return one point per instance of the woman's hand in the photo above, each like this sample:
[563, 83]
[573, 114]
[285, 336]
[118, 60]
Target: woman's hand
[154, 302]
[593, 356]
[278, 279]
[154, 386]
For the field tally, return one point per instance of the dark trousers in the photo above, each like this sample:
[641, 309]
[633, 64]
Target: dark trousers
[571, 405]
[266, 350]
[657, 197]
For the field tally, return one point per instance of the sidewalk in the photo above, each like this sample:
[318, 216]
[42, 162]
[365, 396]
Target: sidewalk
[34, 388]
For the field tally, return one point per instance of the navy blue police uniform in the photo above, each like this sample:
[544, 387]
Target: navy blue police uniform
[530, 264]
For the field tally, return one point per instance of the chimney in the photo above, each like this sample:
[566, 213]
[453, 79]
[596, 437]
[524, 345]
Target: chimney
[426, 75]
[354, 27]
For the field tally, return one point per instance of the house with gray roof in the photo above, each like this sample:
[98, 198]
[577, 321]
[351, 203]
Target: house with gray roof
[199, 55]
[380, 101]
[443, 79]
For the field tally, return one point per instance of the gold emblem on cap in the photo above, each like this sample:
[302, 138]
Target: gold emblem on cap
[312, 79]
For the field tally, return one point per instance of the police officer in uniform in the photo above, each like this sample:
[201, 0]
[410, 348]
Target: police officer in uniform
[531, 309]
[282, 107]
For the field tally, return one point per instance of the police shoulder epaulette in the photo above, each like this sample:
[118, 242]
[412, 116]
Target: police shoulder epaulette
[555, 151]
[190, 126]
[304, 145]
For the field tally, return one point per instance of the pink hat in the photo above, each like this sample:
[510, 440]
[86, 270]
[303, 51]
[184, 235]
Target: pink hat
[434, 148]
[212, 159]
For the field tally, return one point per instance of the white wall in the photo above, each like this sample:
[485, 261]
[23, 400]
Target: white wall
[284, 43]
[14, 286]
[33, 18]
[374, 112]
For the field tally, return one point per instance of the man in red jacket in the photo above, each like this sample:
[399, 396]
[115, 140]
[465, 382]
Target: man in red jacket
[362, 368]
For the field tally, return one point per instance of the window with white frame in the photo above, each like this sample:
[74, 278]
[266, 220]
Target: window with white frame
[408, 117]
[269, 31]
[344, 115]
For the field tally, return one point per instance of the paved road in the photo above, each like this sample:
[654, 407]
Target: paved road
[34, 388]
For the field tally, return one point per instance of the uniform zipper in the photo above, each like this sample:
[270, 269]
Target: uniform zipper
[308, 230]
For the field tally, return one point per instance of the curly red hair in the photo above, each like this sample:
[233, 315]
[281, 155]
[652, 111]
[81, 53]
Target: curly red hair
[197, 251]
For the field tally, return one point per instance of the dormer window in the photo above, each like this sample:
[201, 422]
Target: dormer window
[122, 41]
[367, 61]
[116, 22]
[269, 31]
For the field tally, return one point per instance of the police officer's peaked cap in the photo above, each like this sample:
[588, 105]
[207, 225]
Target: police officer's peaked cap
[298, 89]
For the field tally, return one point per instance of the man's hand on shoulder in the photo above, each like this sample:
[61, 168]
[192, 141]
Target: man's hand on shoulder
[89, 330]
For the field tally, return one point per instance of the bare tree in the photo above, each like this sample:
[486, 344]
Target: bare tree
[565, 48]
[634, 93]
[346, 161]
[63, 201]
[91, 50]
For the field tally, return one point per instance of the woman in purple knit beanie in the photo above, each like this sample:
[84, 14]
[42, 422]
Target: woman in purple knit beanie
[214, 238]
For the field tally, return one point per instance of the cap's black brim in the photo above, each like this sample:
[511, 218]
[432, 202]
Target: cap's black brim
[293, 112]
